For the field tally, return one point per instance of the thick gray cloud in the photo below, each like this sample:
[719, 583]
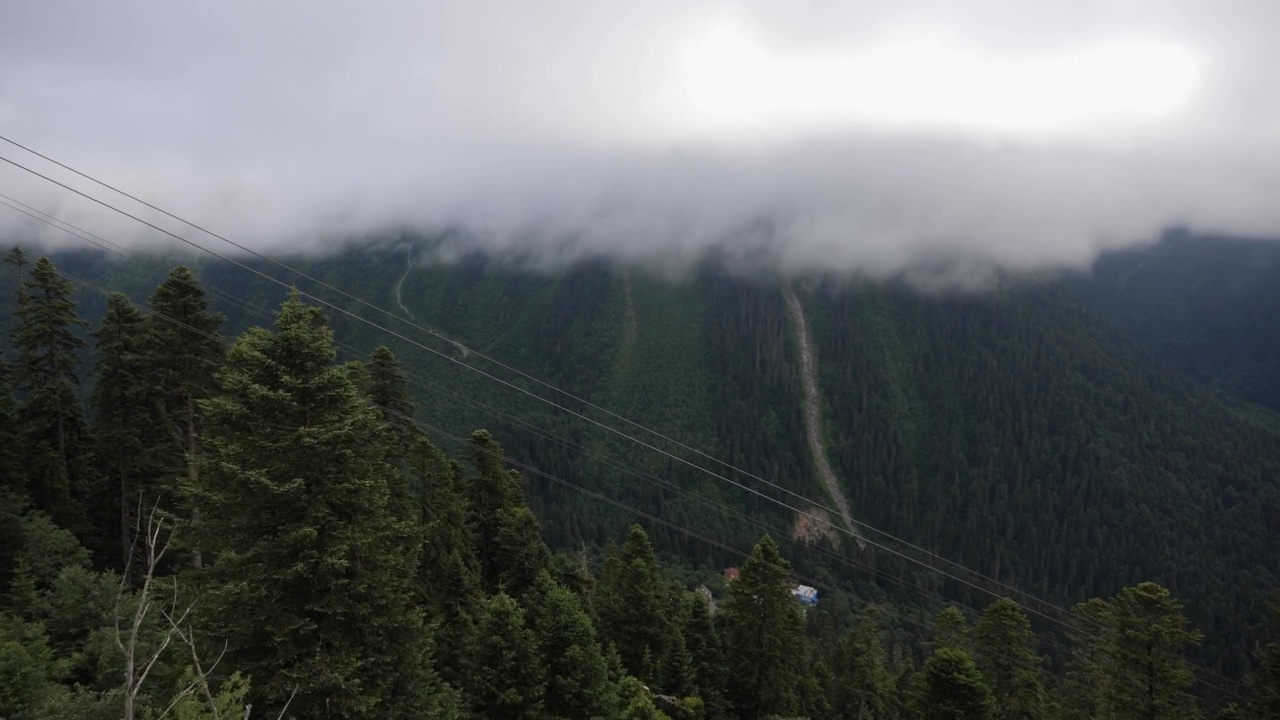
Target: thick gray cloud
[822, 134]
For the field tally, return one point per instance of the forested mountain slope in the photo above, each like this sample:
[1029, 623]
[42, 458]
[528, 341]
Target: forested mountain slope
[1015, 431]
[1208, 305]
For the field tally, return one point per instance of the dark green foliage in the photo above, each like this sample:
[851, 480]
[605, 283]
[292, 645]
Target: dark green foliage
[504, 678]
[951, 630]
[58, 447]
[764, 640]
[958, 421]
[387, 388]
[577, 679]
[629, 605]
[18, 259]
[125, 427]
[510, 551]
[863, 685]
[1005, 429]
[11, 479]
[1001, 642]
[184, 351]
[1152, 677]
[448, 539]
[13, 484]
[312, 574]
[1204, 304]
[1132, 662]
[953, 688]
[709, 671]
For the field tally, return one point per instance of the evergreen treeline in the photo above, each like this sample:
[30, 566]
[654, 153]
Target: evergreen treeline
[248, 527]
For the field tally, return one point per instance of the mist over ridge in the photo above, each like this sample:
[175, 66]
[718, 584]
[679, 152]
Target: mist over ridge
[895, 139]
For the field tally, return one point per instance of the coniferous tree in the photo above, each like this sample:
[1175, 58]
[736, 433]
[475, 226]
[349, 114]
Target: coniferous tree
[388, 389]
[508, 545]
[953, 688]
[458, 601]
[311, 576]
[125, 426]
[950, 629]
[628, 603]
[448, 540]
[1086, 687]
[11, 477]
[185, 350]
[386, 385]
[13, 491]
[1149, 637]
[863, 686]
[906, 684]
[1011, 669]
[577, 676]
[18, 259]
[709, 673]
[504, 679]
[1130, 663]
[51, 419]
[764, 639]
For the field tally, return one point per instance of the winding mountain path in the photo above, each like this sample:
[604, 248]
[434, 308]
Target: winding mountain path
[408, 266]
[813, 411]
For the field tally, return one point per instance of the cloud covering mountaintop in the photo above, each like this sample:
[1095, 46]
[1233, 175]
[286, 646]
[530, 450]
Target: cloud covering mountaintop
[865, 137]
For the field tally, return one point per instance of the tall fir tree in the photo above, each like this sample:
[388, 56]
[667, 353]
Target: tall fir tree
[628, 603]
[387, 387]
[13, 485]
[1131, 662]
[185, 350]
[950, 629]
[311, 575]
[1086, 687]
[764, 637]
[504, 678]
[1001, 642]
[709, 672]
[125, 426]
[863, 685]
[18, 259]
[57, 443]
[11, 476]
[1149, 639]
[953, 688]
[510, 550]
[448, 540]
[577, 676]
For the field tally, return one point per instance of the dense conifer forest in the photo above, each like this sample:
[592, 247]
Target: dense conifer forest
[220, 499]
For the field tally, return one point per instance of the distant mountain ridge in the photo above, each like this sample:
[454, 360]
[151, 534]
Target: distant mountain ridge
[1068, 437]
[1209, 305]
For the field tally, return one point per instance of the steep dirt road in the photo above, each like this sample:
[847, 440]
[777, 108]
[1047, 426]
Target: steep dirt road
[813, 410]
[408, 266]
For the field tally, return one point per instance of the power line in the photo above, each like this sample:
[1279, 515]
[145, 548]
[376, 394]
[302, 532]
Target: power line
[538, 381]
[604, 498]
[513, 386]
[494, 361]
[711, 473]
[542, 434]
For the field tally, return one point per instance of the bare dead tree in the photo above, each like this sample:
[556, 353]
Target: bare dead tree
[136, 666]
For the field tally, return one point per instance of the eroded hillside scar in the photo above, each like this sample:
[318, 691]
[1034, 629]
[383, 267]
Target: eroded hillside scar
[408, 267]
[813, 411]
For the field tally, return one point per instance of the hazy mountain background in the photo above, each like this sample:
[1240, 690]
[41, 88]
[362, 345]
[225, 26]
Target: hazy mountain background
[1065, 434]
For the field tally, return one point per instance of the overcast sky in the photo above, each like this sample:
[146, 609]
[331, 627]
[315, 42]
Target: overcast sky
[862, 136]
